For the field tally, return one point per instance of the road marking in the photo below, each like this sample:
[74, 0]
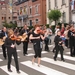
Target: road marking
[43, 52]
[1, 60]
[13, 57]
[42, 69]
[30, 48]
[50, 45]
[17, 51]
[59, 63]
[4, 68]
[67, 57]
[1, 52]
[67, 52]
[31, 54]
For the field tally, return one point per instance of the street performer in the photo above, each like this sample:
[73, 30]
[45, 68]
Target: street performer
[36, 37]
[25, 31]
[11, 50]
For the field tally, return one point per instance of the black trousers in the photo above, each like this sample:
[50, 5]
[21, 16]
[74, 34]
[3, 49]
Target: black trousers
[4, 51]
[25, 47]
[66, 42]
[71, 47]
[37, 50]
[46, 44]
[59, 48]
[14, 54]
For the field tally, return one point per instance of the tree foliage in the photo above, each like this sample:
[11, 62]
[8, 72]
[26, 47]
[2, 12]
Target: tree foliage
[10, 25]
[54, 15]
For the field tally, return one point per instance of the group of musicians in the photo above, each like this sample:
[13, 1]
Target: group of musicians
[37, 35]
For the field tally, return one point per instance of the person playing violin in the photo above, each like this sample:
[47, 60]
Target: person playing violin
[11, 50]
[36, 37]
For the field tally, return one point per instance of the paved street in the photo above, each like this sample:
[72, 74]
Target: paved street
[48, 65]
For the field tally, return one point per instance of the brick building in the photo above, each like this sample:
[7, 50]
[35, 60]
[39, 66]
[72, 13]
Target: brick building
[31, 12]
[5, 14]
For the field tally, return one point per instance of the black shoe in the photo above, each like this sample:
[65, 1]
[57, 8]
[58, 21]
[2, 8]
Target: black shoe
[54, 59]
[63, 60]
[5, 58]
[18, 72]
[26, 53]
[9, 70]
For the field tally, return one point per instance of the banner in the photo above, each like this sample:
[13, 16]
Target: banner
[10, 5]
[25, 10]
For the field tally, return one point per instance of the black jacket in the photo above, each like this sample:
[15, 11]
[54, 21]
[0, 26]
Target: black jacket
[8, 43]
[57, 39]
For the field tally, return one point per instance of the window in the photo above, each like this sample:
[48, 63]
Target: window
[9, 17]
[63, 2]
[36, 9]
[30, 22]
[55, 3]
[49, 4]
[30, 10]
[36, 21]
[2, 18]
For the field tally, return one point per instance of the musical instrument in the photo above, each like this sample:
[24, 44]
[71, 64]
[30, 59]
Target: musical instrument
[23, 37]
[19, 38]
[41, 31]
[2, 40]
[15, 38]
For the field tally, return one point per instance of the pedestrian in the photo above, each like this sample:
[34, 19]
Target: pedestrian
[46, 40]
[11, 51]
[58, 46]
[36, 38]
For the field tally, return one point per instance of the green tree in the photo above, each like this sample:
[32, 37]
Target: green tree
[54, 15]
[10, 25]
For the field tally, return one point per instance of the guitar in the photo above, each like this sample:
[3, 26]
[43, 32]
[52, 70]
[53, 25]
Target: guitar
[2, 40]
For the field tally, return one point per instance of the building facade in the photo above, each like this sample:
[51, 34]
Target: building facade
[6, 13]
[72, 7]
[31, 12]
[63, 6]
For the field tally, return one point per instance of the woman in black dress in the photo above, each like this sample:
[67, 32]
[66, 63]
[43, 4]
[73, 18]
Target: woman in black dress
[36, 39]
[11, 51]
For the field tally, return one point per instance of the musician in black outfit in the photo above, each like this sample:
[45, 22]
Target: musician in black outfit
[71, 40]
[58, 46]
[11, 51]
[4, 34]
[36, 38]
[25, 43]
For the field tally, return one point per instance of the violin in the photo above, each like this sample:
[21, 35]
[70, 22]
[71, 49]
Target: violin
[15, 38]
[41, 31]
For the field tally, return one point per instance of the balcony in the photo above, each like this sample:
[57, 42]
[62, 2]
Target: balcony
[21, 1]
[34, 0]
[23, 17]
